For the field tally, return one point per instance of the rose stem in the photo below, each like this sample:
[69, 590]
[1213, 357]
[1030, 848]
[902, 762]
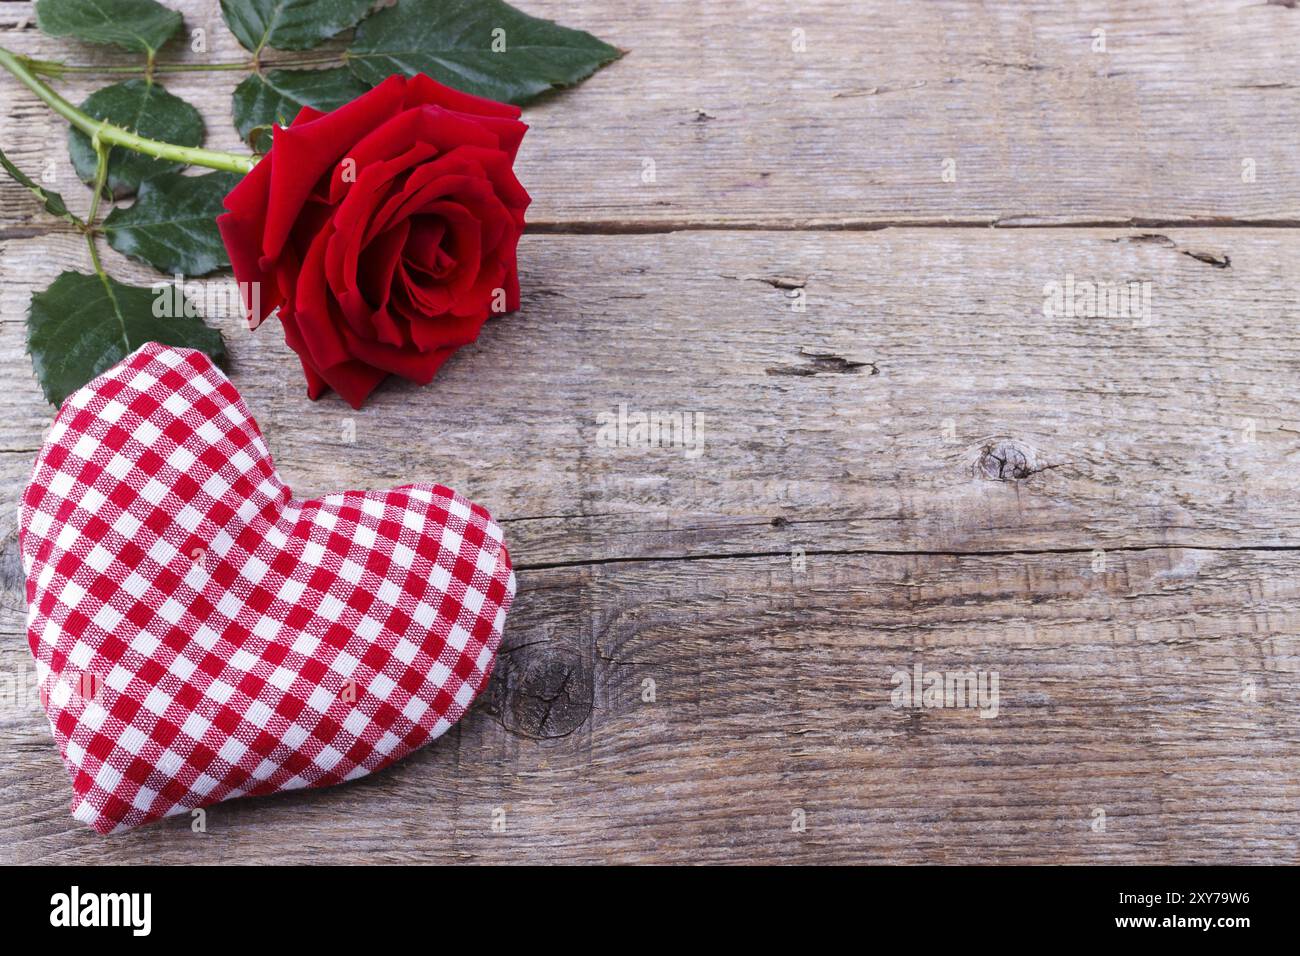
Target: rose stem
[101, 177]
[111, 135]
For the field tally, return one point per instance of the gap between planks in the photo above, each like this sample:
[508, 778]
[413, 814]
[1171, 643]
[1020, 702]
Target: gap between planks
[655, 227]
[646, 227]
[893, 553]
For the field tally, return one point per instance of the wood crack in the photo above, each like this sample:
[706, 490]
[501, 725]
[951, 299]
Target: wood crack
[622, 227]
[639, 227]
[897, 552]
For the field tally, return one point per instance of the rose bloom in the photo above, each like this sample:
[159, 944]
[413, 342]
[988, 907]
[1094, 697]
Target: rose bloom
[384, 231]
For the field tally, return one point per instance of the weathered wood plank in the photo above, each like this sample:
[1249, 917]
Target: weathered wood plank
[947, 456]
[1159, 690]
[1181, 431]
[856, 128]
[1124, 687]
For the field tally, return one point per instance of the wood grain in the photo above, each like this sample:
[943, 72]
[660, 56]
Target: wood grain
[855, 130]
[873, 420]
[1100, 510]
[1160, 692]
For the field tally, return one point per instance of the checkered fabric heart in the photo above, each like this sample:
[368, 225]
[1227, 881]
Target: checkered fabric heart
[200, 634]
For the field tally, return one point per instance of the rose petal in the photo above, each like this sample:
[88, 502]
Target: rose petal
[241, 231]
[378, 265]
[428, 126]
[304, 152]
[434, 332]
[419, 367]
[321, 334]
[422, 90]
[353, 380]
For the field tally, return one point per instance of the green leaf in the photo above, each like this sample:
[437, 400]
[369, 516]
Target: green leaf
[172, 225]
[290, 24]
[260, 138]
[141, 107]
[52, 201]
[452, 41]
[82, 325]
[275, 97]
[141, 25]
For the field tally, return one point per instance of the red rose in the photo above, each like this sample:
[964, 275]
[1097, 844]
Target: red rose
[384, 231]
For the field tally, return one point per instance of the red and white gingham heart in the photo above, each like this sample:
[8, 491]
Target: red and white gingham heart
[200, 634]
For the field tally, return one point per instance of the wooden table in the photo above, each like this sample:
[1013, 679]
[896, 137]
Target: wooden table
[840, 264]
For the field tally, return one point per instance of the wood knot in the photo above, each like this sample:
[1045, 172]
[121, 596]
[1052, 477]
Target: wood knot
[547, 694]
[13, 583]
[1006, 459]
